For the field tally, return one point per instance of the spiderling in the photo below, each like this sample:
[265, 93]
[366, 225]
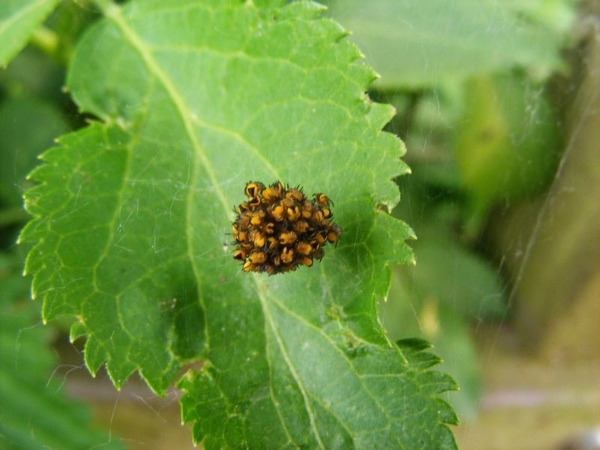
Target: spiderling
[278, 228]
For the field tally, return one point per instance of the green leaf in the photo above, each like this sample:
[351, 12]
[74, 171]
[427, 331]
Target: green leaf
[416, 44]
[18, 19]
[34, 411]
[132, 224]
[454, 276]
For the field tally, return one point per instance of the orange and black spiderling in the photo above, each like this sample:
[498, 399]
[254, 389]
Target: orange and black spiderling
[278, 228]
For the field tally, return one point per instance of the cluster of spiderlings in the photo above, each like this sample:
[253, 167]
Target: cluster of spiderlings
[278, 229]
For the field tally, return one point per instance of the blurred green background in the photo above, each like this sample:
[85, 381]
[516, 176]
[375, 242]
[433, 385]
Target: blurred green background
[499, 105]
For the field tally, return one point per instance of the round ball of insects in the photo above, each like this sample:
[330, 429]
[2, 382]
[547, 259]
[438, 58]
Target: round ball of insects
[278, 228]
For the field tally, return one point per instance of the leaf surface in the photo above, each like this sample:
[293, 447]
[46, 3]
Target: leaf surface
[133, 227]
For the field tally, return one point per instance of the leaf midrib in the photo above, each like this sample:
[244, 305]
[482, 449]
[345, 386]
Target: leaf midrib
[113, 12]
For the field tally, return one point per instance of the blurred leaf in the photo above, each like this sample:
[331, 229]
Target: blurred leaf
[507, 144]
[556, 15]
[446, 269]
[18, 20]
[132, 215]
[32, 74]
[455, 277]
[27, 127]
[417, 44]
[34, 412]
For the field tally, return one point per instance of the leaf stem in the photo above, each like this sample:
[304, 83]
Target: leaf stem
[46, 40]
[106, 6]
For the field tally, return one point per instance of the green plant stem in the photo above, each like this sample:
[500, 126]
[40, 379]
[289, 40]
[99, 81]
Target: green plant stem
[105, 6]
[46, 40]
